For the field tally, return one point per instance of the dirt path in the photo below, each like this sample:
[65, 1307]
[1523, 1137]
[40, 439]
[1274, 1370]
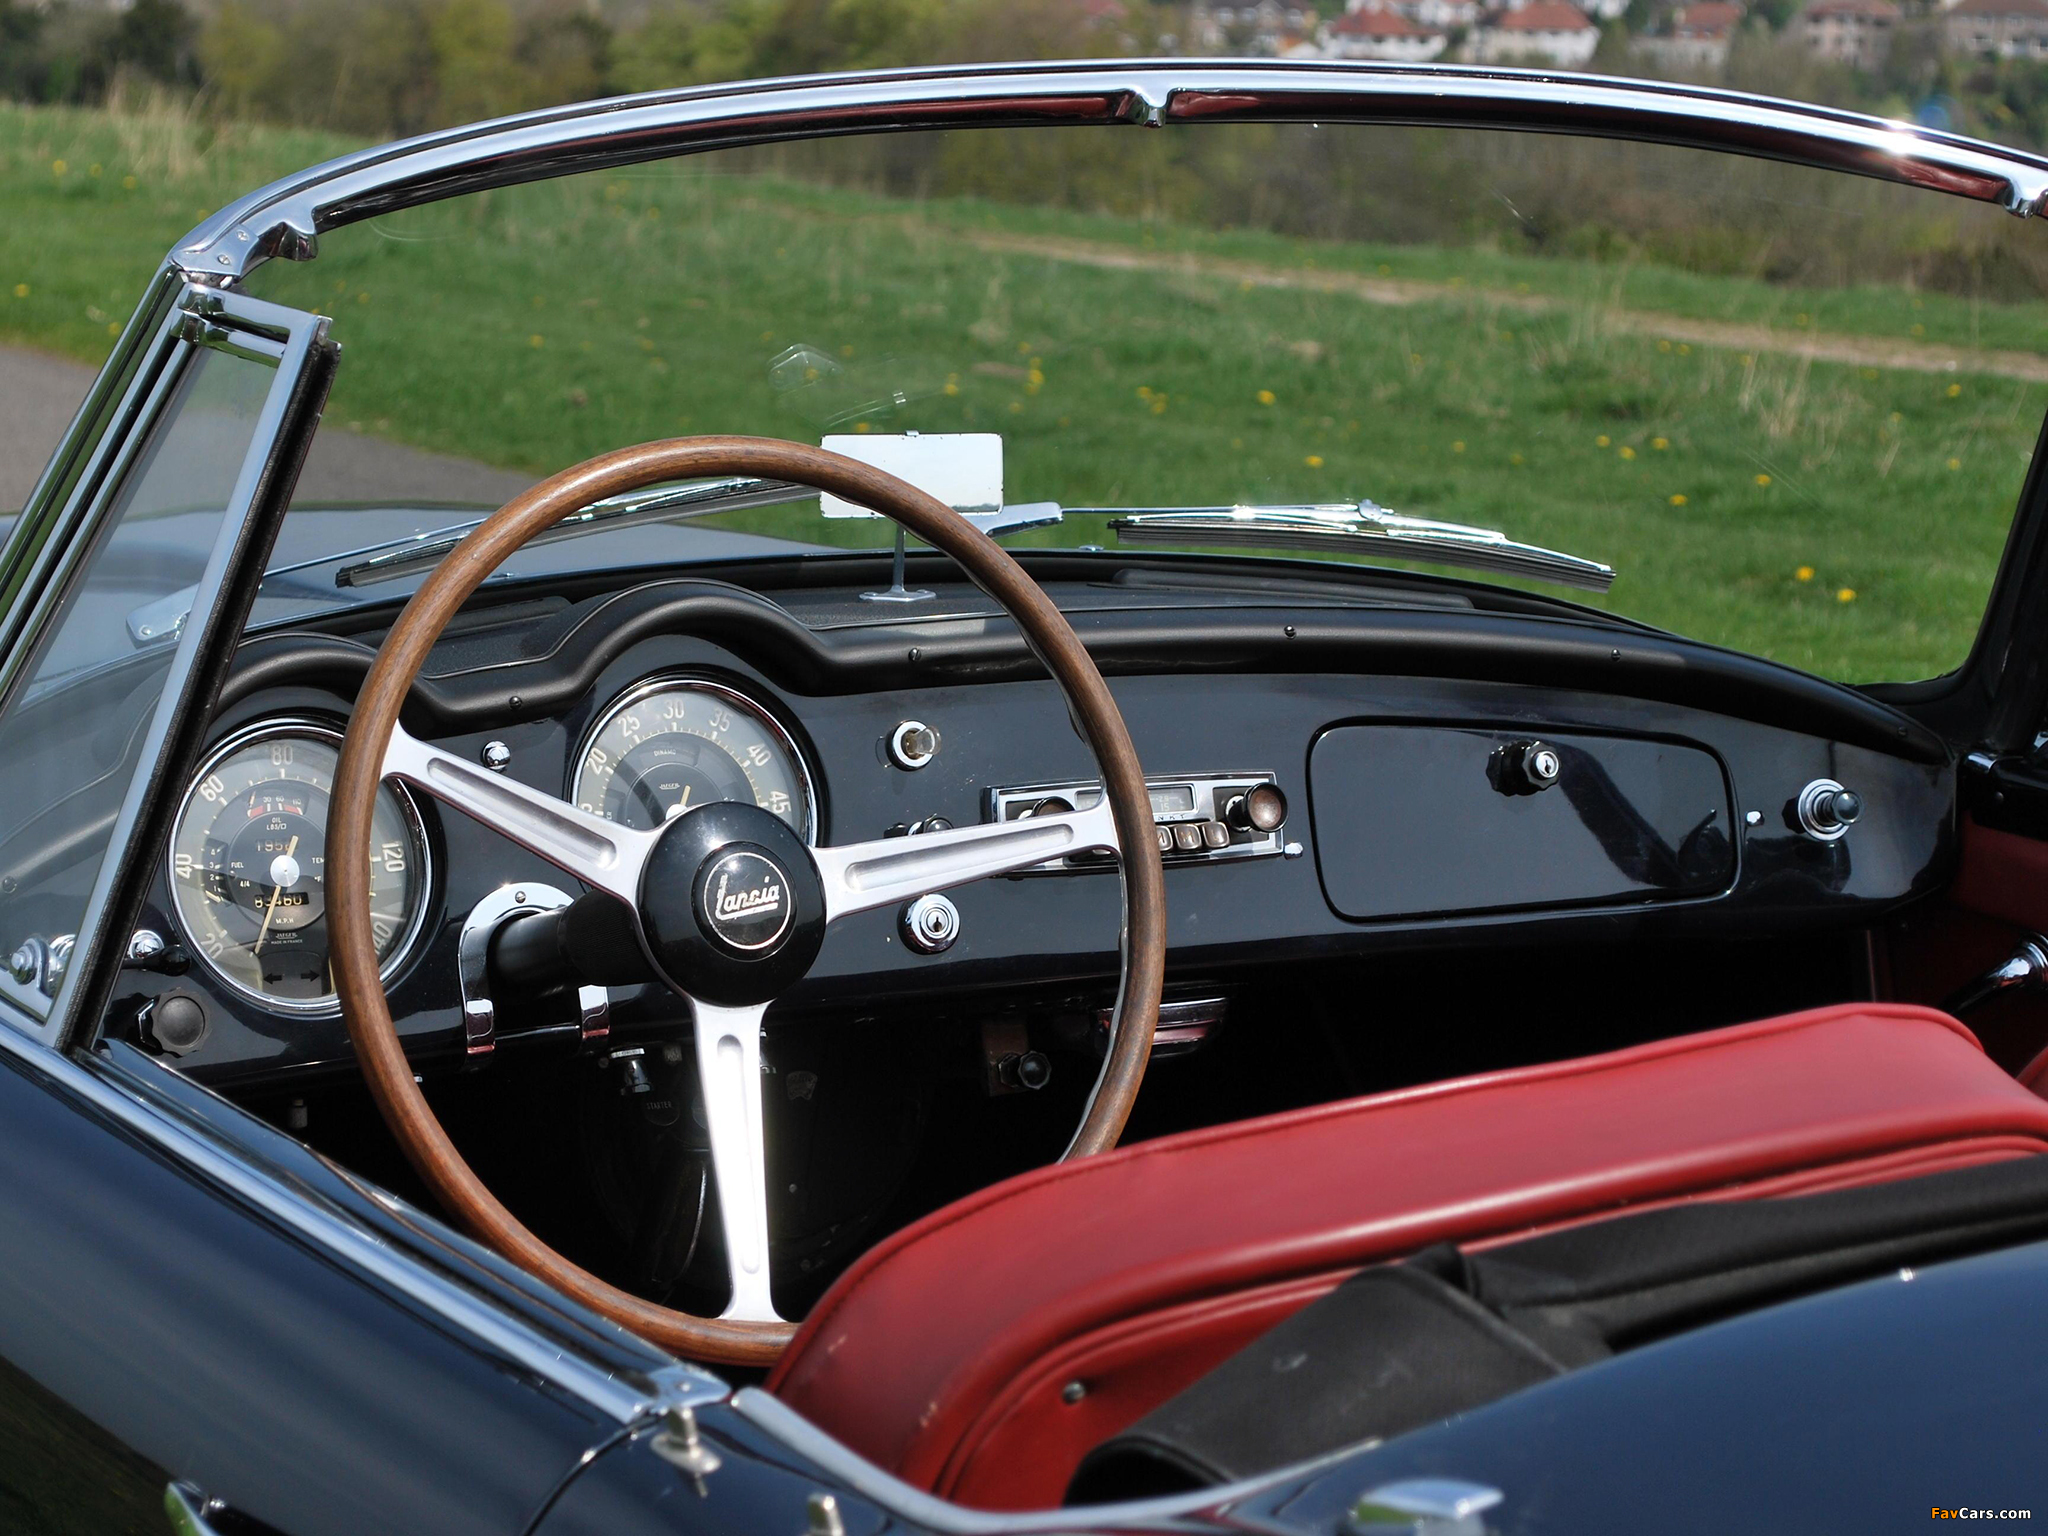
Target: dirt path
[1865, 351]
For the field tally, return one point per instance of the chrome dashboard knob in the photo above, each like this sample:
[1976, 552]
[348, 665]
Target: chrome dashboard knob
[1826, 809]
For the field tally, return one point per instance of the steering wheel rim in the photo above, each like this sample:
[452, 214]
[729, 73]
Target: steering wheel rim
[640, 869]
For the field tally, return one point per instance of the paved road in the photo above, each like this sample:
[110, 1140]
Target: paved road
[39, 395]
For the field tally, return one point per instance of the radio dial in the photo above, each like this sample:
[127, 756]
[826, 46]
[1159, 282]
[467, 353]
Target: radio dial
[1259, 809]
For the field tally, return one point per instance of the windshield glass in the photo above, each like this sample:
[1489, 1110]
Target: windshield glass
[1792, 410]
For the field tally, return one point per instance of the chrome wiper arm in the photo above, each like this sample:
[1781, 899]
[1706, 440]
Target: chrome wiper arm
[666, 503]
[394, 559]
[1354, 527]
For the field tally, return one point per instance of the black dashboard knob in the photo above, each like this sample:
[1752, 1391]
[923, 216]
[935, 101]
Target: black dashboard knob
[1262, 808]
[1025, 1069]
[1525, 767]
[176, 1023]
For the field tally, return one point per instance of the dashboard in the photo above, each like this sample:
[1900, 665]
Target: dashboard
[1332, 776]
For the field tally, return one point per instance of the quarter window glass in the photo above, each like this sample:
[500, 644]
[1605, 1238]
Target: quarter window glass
[70, 736]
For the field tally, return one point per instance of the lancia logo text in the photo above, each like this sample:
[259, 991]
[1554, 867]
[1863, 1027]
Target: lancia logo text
[761, 900]
[744, 901]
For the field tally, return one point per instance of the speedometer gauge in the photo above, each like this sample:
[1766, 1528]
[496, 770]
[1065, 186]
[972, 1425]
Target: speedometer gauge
[673, 744]
[249, 866]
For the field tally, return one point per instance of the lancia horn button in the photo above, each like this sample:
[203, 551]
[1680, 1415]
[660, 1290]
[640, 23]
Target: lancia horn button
[744, 902]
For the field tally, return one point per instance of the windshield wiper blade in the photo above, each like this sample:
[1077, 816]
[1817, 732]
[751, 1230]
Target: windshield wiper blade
[1357, 528]
[667, 503]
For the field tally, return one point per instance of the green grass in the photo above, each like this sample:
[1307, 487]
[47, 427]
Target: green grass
[543, 324]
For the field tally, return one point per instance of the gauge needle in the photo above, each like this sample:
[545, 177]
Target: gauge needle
[270, 911]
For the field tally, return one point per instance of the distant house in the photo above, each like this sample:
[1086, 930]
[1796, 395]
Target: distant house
[1430, 15]
[1697, 38]
[1278, 27]
[1857, 32]
[1998, 29]
[1599, 10]
[1381, 34]
[1550, 30]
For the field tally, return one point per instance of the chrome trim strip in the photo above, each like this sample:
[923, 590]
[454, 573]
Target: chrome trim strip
[287, 217]
[916, 1507]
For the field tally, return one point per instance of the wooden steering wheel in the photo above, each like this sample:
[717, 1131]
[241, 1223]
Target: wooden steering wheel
[729, 904]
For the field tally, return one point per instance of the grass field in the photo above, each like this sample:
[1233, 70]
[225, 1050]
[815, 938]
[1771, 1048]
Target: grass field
[1791, 471]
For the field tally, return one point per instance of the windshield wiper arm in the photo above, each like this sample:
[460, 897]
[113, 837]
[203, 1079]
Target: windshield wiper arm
[393, 559]
[1356, 528]
[666, 503]
[390, 559]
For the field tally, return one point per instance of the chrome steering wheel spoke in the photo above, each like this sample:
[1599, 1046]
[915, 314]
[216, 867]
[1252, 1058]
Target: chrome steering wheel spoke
[856, 877]
[602, 854]
[861, 876]
[729, 1076]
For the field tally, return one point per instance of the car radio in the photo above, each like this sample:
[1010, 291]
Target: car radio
[1197, 818]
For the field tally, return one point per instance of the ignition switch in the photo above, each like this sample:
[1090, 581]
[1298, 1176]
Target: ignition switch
[930, 924]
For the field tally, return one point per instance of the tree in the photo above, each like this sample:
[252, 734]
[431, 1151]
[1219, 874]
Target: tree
[565, 51]
[240, 54]
[153, 38]
[475, 74]
[22, 66]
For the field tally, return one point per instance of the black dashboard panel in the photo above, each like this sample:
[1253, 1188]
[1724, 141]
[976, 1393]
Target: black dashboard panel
[1238, 688]
[1430, 820]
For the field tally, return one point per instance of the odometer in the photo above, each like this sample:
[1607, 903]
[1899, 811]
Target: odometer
[673, 744]
[248, 866]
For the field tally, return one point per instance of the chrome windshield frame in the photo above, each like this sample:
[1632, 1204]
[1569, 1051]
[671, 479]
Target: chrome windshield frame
[287, 217]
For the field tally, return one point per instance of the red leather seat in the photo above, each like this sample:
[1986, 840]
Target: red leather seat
[981, 1352]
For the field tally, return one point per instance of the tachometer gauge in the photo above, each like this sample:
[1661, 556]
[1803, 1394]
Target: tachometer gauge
[673, 744]
[249, 866]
